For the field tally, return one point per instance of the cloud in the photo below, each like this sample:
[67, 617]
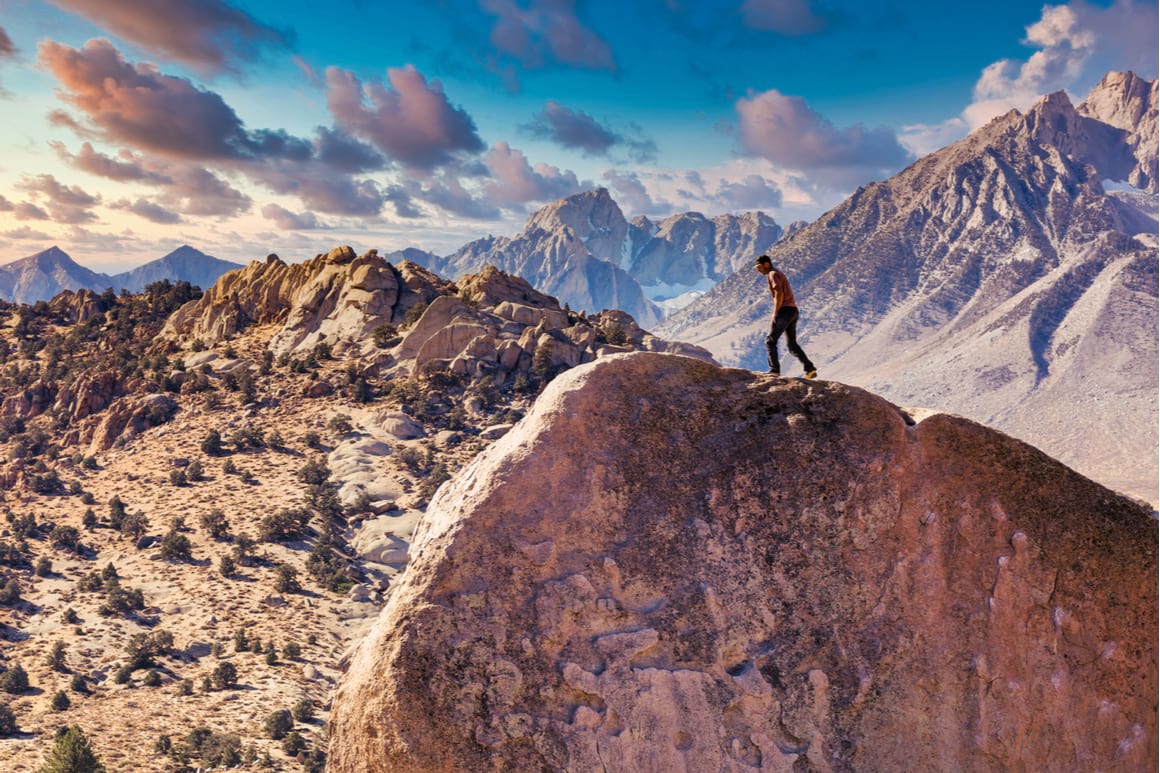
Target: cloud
[786, 131]
[515, 182]
[577, 130]
[208, 35]
[129, 169]
[197, 191]
[291, 221]
[1076, 44]
[547, 28]
[139, 106]
[66, 203]
[410, 120]
[149, 210]
[27, 233]
[7, 49]
[788, 17]
[6, 205]
[753, 192]
[26, 210]
[447, 192]
[632, 195]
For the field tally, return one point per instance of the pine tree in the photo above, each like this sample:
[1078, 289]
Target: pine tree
[72, 753]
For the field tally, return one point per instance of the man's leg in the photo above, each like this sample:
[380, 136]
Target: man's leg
[780, 322]
[792, 344]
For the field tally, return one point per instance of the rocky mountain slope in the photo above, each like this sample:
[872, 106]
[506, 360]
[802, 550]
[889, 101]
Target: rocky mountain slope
[672, 566]
[185, 263]
[205, 498]
[46, 274]
[998, 278]
[582, 249]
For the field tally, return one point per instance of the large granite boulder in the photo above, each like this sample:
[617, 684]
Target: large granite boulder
[668, 566]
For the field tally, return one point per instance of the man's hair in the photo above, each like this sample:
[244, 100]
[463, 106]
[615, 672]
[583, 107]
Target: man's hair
[764, 259]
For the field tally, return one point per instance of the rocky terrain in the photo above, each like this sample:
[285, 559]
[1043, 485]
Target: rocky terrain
[672, 566]
[207, 497]
[1004, 278]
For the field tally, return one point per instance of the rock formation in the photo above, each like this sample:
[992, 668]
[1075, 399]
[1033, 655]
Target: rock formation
[671, 566]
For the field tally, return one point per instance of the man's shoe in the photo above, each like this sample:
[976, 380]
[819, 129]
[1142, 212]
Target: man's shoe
[812, 373]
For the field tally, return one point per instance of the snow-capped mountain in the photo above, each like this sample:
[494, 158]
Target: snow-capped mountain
[41, 276]
[184, 263]
[999, 278]
[583, 250]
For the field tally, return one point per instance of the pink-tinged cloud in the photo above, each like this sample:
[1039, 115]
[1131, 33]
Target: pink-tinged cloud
[786, 131]
[446, 191]
[137, 105]
[633, 196]
[208, 35]
[6, 205]
[291, 221]
[27, 233]
[65, 203]
[7, 49]
[149, 210]
[547, 28]
[198, 191]
[515, 182]
[752, 192]
[127, 168]
[788, 17]
[409, 120]
[26, 210]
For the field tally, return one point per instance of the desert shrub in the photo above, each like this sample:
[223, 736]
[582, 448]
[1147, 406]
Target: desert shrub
[116, 512]
[278, 724]
[286, 579]
[78, 684]
[120, 601]
[45, 483]
[14, 680]
[55, 658]
[10, 591]
[227, 566]
[60, 701]
[386, 336]
[134, 525]
[195, 471]
[65, 537]
[229, 468]
[164, 744]
[311, 439]
[212, 445]
[185, 687]
[241, 641]
[89, 519]
[71, 753]
[70, 616]
[109, 573]
[175, 546]
[293, 650]
[152, 679]
[340, 424]
[293, 743]
[284, 525]
[225, 675]
[8, 725]
[215, 524]
[223, 750]
[90, 582]
[178, 477]
[271, 658]
[303, 710]
[43, 566]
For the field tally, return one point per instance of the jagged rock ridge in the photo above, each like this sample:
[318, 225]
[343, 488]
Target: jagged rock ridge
[996, 278]
[667, 565]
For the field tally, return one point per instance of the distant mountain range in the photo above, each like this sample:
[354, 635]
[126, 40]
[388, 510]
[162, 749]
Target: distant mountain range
[1004, 278]
[582, 250]
[41, 276]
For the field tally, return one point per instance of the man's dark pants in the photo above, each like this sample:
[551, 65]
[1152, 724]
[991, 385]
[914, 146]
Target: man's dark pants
[785, 322]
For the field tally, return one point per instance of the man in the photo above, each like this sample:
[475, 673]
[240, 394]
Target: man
[785, 316]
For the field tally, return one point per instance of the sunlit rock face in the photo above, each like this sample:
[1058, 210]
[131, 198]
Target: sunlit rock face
[669, 566]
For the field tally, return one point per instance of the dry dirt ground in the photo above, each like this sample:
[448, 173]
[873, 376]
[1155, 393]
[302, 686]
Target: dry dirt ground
[192, 600]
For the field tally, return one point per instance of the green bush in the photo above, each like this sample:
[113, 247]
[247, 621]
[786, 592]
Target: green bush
[60, 701]
[7, 721]
[303, 710]
[225, 675]
[72, 754]
[14, 680]
[278, 724]
[293, 743]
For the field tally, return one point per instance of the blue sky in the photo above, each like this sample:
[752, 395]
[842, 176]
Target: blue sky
[245, 127]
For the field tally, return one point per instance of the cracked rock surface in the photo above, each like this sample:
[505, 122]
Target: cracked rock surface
[670, 566]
